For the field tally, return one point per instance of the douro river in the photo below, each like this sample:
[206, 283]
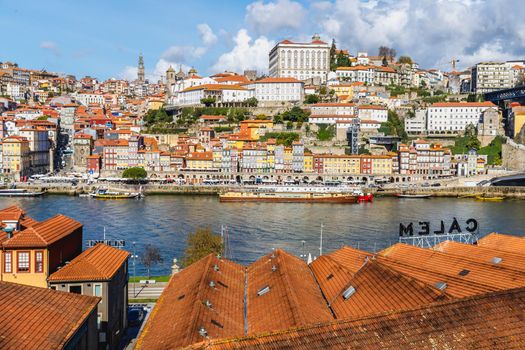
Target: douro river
[255, 228]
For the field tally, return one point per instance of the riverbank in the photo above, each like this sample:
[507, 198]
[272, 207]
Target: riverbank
[168, 189]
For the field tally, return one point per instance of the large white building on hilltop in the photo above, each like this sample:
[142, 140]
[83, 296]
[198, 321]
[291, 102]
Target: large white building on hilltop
[301, 61]
[454, 117]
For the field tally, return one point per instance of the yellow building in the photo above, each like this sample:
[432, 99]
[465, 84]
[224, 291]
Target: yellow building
[381, 165]
[16, 158]
[519, 118]
[155, 103]
[255, 128]
[270, 153]
[33, 250]
[345, 91]
[200, 161]
[308, 163]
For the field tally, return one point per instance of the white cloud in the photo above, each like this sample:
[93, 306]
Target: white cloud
[266, 18]
[129, 73]
[207, 36]
[432, 32]
[51, 47]
[185, 54]
[246, 54]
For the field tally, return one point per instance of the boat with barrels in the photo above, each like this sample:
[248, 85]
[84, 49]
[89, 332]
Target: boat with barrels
[290, 194]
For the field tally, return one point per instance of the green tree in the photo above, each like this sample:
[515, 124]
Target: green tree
[325, 132]
[150, 257]
[252, 102]
[295, 114]
[333, 50]
[311, 99]
[208, 101]
[394, 126]
[405, 60]
[134, 173]
[154, 116]
[201, 243]
[43, 117]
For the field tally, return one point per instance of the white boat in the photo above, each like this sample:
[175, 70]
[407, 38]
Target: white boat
[15, 192]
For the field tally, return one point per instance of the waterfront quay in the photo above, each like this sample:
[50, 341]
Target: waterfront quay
[509, 192]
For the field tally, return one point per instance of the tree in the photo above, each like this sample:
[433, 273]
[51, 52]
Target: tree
[394, 126]
[201, 243]
[135, 173]
[405, 60]
[295, 114]
[208, 101]
[251, 102]
[326, 132]
[385, 61]
[151, 257]
[311, 99]
[333, 53]
[154, 116]
[43, 117]
[386, 51]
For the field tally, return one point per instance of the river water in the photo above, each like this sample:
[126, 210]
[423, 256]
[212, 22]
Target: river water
[255, 228]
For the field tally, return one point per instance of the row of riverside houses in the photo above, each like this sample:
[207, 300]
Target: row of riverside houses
[48, 255]
[454, 295]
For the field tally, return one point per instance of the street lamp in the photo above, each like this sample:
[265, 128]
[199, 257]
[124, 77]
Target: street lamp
[134, 257]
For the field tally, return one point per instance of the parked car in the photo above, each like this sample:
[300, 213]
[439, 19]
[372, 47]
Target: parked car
[437, 184]
[135, 316]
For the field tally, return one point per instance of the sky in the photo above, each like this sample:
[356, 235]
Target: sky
[104, 38]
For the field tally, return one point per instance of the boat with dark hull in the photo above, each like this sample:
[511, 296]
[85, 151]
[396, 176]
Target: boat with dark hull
[15, 192]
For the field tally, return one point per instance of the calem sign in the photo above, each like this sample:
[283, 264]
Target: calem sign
[424, 228]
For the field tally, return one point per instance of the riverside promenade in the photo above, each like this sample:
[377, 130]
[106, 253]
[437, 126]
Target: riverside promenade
[172, 189]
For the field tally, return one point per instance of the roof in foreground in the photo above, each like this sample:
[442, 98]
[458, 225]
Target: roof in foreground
[503, 242]
[488, 321]
[204, 300]
[40, 318]
[99, 263]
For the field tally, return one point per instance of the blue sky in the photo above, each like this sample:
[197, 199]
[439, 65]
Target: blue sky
[104, 38]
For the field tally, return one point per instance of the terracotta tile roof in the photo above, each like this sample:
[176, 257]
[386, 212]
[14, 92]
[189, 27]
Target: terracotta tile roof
[490, 276]
[99, 263]
[377, 288]
[330, 104]
[506, 243]
[351, 258]
[464, 104]
[293, 298]
[456, 286]
[277, 80]
[490, 321]
[181, 310]
[214, 87]
[484, 254]
[40, 318]
[44, 233]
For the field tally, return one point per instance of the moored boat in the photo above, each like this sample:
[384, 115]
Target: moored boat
[15, 192]
[106, 194]
[287, 197]
[490, 199]
[415, 196]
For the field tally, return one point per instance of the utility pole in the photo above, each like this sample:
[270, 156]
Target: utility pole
[321, 241]
[134, 268]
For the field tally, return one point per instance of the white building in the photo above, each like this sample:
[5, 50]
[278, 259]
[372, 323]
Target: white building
[222, 93]
[364, 74]
[333, 108]
[446, 117]
[418, 124]
[88, 98]
[371, 112]
[491, 76]
[279, 89]
[301, 61]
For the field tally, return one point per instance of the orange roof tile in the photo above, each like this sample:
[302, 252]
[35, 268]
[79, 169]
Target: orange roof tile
[40, 318]
[482, 322]
[181, 310]
[377, 288]
[44, 233]
[98, 263]
[293, 298]
[484, 254]
[507, 243]
[276, 80]
[491, 276]
[464, 104]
